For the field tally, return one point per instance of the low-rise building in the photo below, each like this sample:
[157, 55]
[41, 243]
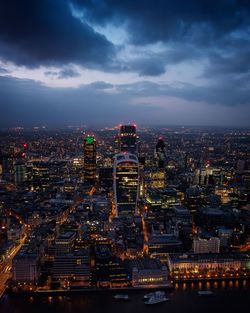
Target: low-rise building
[72, 268]
[26, 267]
[148, 273]
[206, 245]
[159, 245]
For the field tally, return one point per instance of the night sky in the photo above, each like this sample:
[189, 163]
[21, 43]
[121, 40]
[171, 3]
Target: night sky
[96, 62]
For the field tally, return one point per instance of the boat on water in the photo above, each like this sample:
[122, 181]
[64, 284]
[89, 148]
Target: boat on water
[121, 297]
[205, 293]
[156, 293]
[156, 299]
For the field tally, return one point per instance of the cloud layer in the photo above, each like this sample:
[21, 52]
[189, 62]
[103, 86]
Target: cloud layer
[135, 56]
[43, 32]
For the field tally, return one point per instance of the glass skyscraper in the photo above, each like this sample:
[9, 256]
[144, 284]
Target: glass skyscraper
[126, 183]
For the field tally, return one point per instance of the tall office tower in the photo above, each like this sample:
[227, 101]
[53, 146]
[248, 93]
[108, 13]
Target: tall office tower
[40, 176]
[89, 159]
[126, 183]
[128, 139]
[160, 153]
[20, 172]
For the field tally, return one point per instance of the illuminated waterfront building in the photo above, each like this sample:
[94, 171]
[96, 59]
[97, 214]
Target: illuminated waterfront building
[126, 183]
[128, 139]
[204, 266]
[26, 266]
[148, 272]
[89, 159]
[73, 267]
[109, 270]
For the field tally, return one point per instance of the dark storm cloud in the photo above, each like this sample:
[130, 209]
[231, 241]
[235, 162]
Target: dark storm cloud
[155, 64]
[150, 66]
[228, 65]
[198, 27]
[214, 34]
[162, 20]
[34, 33]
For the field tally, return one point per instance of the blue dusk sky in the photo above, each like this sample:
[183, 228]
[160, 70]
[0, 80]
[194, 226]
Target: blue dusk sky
[97, 62]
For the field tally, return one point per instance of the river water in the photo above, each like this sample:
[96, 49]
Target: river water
[229, 297]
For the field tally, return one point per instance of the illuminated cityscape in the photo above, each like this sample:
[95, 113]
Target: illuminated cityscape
[124, 156]
[87, 215]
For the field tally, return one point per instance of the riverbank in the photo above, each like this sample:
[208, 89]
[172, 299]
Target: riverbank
[229, 296]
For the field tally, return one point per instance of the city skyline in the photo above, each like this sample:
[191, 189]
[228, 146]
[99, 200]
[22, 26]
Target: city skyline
[104, 62]
[151, 215]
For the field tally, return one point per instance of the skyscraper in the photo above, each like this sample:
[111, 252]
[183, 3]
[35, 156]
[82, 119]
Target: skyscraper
[20, 172]
[89, 159]
[126, 183]
[160, 153]
[128, 139]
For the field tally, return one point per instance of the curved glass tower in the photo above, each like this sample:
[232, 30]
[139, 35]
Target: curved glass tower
[126, 183]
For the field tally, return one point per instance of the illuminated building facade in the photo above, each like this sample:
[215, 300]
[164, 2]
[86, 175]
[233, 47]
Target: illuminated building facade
[157, 179]
[110, 271]
[64, 243]
[126, 183]
[26, 266]
[40, 176]
[148, 272]
[211, 245]
[72, 268]
[128, 139]
[89, 159]
[208, 266]
[162, 198]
